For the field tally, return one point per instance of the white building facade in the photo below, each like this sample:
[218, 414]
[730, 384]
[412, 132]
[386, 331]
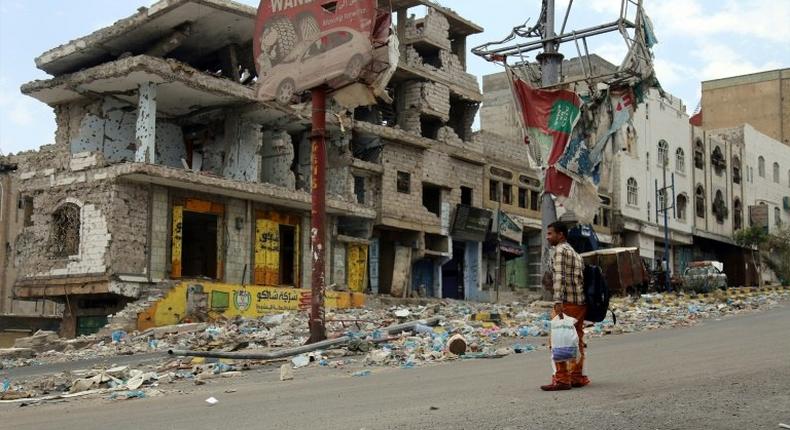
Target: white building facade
[657, 144]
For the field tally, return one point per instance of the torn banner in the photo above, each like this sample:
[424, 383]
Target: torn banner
[549, 117]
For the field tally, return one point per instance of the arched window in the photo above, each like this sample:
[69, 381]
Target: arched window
[699, 155]
[776, 172]
[662, 200]
[777, 216]
[737, 214]
[761, 166]
[633, 192]
[682, 202]
[720, 207]
[680, 160]
[663, 152]
[699, 197]
[736, 170]
[718, 161]
[66, 230]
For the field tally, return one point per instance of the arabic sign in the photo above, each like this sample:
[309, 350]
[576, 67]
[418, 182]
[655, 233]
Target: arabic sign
[508, 228]
[233, 300]
[303, 44]
[470, 223]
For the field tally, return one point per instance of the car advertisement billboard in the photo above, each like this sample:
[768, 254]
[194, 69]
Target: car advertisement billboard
[303, 44]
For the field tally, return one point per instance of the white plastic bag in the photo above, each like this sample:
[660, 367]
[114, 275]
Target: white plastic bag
[564, 340]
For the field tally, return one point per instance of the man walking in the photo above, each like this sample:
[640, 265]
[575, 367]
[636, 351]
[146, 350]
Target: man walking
[568, 284]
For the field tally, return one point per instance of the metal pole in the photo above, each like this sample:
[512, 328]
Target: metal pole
[501, 187]
[318, 215]
[550, 61]
[667, 282]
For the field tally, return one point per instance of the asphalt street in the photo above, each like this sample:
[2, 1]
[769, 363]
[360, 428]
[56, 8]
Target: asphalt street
[727, 374]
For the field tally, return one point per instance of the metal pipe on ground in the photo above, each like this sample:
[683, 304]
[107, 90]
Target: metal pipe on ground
[273, 355]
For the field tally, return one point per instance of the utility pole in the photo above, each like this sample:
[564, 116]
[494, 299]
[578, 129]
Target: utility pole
[550, 62]
[665, 208]
[318, 216]
[500, 189]
[542, 36]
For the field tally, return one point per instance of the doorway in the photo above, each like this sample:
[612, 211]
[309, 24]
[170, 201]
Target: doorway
[287, 254]
[453, 273]
[199, 245]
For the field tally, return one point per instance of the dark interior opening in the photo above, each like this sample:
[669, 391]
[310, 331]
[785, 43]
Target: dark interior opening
[287, 254]
[432, 198]
[429, 126]
[199, 244]
[466, 196]
[359, 189]
[430, 56]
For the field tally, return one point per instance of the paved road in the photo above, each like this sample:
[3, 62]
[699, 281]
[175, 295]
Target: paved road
[729, 374]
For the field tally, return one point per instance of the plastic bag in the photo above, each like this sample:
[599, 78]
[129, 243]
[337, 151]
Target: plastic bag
[564, 340]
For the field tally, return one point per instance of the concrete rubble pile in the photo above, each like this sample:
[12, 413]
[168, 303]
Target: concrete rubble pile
[465, 331]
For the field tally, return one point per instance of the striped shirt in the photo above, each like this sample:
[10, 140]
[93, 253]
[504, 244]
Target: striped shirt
[567, 272]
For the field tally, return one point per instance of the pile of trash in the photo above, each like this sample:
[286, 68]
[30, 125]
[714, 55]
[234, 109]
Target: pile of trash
[434, 332]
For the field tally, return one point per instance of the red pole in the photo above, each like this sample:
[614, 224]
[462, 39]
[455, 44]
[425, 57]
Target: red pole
[318, 218]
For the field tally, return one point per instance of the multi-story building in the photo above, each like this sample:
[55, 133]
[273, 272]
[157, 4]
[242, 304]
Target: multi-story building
[741, 179]
[656, 149]
[166, 167]
[760, 99]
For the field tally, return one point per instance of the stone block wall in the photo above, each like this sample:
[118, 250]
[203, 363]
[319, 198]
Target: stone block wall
[433, 27]
[128, 224]
[160, 231]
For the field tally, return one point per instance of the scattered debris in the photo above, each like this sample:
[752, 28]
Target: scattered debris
[286, 373]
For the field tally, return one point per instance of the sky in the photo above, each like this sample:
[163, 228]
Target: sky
[698, 40]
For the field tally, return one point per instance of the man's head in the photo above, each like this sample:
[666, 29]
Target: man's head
[557, 233]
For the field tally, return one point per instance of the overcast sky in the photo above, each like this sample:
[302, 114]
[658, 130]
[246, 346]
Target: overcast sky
[698, 40]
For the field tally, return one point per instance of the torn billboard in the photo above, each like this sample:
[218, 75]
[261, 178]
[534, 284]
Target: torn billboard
[305, 44]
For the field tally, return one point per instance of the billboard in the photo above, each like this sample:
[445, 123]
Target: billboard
[304, 44]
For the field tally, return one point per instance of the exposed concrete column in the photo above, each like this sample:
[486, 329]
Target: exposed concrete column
[145, 132]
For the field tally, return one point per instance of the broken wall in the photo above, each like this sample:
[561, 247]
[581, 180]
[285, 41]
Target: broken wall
[277, 158]
[242, 154]
[109, 127]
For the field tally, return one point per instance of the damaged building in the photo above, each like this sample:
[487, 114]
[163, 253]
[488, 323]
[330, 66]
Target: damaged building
[166, 168]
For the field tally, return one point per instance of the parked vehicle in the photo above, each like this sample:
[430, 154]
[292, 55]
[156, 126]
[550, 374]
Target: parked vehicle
[623, 268]
[704, 276]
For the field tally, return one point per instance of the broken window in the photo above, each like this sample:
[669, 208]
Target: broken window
[699, 197]
[432, 198]
[663, 152]
[737, 214]
[26, 205]
[607, 216]
[493, 190]
[736, 170]
[359, 189]
[718, 161]
[66, 230]
[680, 160]
[507, 194]
[466, 196]
[404, 182]
[199, 245]
[682, 202]
[534, 200]
[522, 198]
[462, 116]
[287, 254]
[777, 217]
[429, 126]
[699, 155]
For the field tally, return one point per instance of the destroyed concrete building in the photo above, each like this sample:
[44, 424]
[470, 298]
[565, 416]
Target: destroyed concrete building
[166, 168]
